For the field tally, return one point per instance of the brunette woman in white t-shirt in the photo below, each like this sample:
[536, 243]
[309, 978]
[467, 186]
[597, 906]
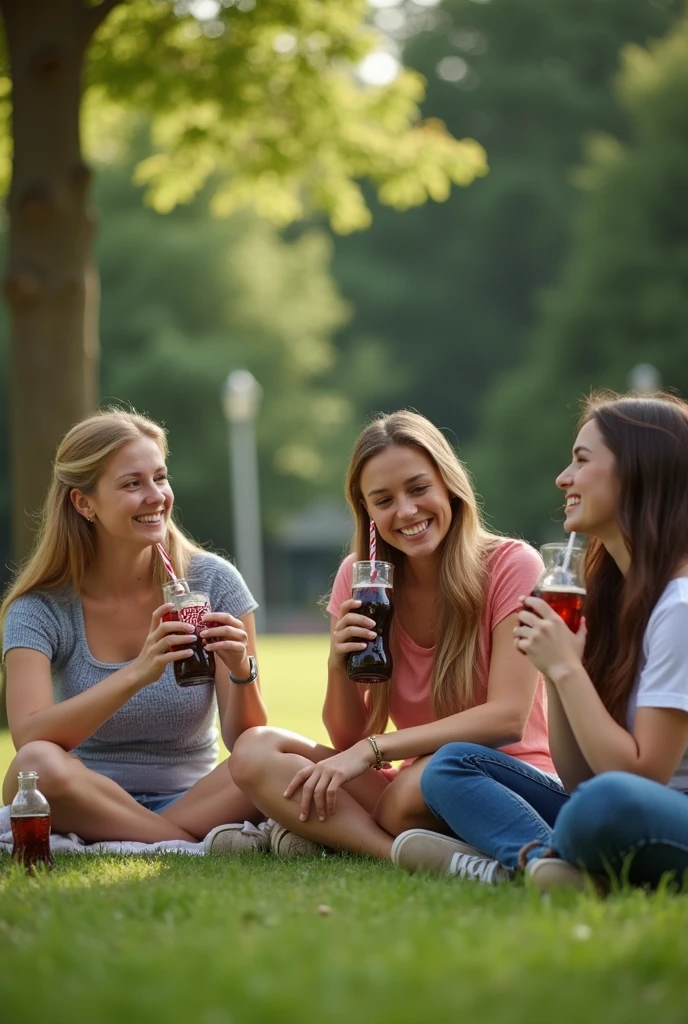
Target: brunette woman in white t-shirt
[456, 673]
[618, 689]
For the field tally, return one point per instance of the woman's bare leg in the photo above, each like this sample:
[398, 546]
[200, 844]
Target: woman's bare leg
[87, 803]
[264, 762]
[401, 806]
[214, 800]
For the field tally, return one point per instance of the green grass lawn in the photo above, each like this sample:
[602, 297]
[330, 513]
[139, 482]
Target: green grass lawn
[333, 941]
[211, 941]
[6, 752]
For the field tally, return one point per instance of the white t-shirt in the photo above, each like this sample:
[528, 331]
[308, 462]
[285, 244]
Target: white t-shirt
[663, 676]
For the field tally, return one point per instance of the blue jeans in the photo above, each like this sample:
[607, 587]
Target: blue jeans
[156, 802]
[491, 800]
[615, 822]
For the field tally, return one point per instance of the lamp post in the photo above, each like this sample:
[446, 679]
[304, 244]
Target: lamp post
[644, 378]
[241, 398]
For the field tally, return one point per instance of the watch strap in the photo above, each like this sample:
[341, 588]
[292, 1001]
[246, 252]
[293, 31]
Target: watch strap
[252, 676]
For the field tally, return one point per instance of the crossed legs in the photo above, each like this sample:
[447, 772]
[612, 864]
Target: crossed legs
[96, 808]
[370, 812]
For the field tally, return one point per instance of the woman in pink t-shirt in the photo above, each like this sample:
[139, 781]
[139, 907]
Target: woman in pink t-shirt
[456, 673]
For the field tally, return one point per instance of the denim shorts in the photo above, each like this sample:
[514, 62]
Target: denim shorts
[156, 802]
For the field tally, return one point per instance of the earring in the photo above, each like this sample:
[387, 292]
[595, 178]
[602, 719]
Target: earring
[90, 520]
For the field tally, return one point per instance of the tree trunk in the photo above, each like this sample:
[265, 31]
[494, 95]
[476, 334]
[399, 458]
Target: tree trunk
[51, 284]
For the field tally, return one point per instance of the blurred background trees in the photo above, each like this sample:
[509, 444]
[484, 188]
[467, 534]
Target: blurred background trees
[259, 102]
[492, 312]
[187, 298]
[453, 289]
[622, 298]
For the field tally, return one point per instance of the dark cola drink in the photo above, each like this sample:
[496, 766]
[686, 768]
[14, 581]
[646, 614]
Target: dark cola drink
[372, 586]
[190, 606]
[567, 602]
[562, 583]
[32, 841]
[30, 820]
[374, 664]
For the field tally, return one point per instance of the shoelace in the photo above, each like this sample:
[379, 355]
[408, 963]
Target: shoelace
[467, 865]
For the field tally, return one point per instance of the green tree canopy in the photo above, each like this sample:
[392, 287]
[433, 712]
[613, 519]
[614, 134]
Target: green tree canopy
[260, 101]
[263, 96]
[199, 298]
[623, 299]
[452, 289]
[203, 297]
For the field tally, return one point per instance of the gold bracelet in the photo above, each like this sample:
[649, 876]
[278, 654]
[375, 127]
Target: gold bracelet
[378, 756]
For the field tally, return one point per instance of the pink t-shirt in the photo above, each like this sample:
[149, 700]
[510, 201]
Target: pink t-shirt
[513, 569]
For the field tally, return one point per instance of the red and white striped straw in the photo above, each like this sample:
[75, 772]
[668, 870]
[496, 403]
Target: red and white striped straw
[166, 561]
[373, 541]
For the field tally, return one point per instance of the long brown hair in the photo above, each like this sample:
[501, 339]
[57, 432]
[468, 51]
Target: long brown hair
[65, 547]
[462, 573]
[648, 438]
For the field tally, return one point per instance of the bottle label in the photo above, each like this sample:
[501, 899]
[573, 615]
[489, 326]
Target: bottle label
[193, 614]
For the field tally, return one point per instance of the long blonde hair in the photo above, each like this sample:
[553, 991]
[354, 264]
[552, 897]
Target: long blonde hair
[462, 572]
[65, 546]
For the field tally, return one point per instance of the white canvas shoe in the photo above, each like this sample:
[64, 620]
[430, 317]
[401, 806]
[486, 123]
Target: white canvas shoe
[418, 849]
[226, 840]
[284, 843]
[548, 873]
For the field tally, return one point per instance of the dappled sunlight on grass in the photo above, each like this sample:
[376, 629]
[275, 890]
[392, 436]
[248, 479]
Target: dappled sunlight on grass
[6, 752]
[255, 938]
[82, 871]
[174, 939]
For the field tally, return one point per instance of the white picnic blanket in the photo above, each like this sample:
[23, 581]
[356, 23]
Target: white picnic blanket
[71, 843]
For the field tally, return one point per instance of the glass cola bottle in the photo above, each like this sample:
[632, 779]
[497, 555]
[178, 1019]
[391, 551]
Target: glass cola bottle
[30, 819]
[372, 586]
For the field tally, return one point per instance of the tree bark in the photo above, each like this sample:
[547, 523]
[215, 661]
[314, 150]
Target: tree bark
[51, 284]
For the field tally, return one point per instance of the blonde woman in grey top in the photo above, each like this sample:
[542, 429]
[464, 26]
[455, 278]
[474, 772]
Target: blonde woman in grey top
[122, 751]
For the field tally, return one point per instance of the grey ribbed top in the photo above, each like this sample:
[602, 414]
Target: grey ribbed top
[164, 738]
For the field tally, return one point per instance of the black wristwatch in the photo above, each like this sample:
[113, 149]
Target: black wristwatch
[252, 676]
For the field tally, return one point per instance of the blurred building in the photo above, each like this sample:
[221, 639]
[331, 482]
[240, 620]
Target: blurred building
[300, 567]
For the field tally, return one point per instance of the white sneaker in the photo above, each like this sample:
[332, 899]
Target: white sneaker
[284, 843]
[481, 868]
[236, 838]
[548, 873]
[418, 849]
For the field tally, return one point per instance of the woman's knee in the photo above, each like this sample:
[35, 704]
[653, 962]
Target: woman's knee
[599, 812]
[55, 768]
[395, 816]
[395, 812]
[401, 806]
[250, 754]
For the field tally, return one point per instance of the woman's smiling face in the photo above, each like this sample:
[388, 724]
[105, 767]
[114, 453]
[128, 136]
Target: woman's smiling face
[407, 499]
[133, 498]
[591, 485]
